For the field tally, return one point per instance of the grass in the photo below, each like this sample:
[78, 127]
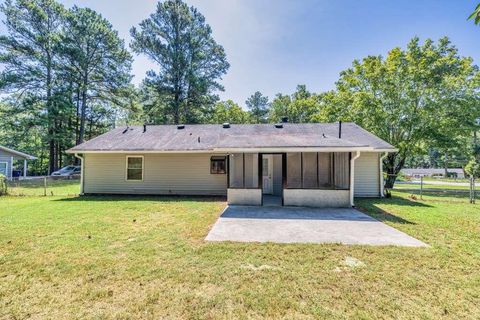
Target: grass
[416, 186]
[35, 187]
[145, 258]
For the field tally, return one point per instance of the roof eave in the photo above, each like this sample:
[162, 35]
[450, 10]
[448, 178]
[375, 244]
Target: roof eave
[18, 153]
[254, 150]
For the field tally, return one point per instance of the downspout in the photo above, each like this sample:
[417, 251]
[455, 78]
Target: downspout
[352, 177]
[382, 191]
[82, 173]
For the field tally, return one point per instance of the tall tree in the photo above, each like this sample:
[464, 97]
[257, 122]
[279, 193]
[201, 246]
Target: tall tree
[257, 104]
[29, 53]
[190, 62]
[416, 98]
[96, 60]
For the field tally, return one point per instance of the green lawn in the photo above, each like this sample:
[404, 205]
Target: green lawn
[416, 186]
[145, 258]
[36, 187]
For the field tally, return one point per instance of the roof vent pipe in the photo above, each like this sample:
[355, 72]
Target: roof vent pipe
[284, 119]
[339, 129]
[144, 127]
[226, 125]
[181, 126]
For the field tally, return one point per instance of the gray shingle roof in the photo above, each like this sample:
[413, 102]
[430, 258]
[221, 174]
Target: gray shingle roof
[212, 137]
[17, 153]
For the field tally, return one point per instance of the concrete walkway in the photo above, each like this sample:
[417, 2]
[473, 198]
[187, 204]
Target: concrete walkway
[305, 225]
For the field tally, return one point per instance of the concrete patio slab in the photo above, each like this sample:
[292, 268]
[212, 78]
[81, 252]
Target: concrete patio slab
[305, 225]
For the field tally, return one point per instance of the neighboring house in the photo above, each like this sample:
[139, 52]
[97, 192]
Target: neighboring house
[7, 159]
[322, 165]
[439, 173]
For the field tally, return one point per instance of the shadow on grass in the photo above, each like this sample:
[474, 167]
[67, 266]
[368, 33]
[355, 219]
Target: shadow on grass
[164, 198]
[372, 208]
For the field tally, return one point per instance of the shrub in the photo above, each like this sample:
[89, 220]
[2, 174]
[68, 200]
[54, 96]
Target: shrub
[473, 168]
[3, 185]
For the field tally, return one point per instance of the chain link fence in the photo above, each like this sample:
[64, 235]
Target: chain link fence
[44, 186]
[438, 187]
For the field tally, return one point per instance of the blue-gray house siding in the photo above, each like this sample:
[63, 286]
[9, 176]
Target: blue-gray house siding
[7, 158]
[6, 163]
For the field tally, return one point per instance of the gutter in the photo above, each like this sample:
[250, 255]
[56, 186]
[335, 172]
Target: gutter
[382, 185]
[241, 150]
[231, 150]
[82, 173]
[352, 177]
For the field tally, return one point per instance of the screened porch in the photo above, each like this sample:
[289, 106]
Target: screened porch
[318, 179]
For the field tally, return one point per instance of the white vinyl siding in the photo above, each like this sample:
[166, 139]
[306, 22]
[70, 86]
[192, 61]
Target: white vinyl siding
[367, 175]
[182, 174]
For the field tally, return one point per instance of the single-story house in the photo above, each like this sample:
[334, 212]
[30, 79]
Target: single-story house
[314, 164]
[433, 172]
[7, 158]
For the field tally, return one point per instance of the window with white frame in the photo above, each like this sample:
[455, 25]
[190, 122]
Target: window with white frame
[134, 168]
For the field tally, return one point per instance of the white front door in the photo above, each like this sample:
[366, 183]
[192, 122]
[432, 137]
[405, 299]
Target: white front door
[267, 174]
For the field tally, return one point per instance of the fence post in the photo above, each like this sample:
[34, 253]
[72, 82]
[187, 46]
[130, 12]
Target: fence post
[473, 190]
[421, 188]
[45, 186]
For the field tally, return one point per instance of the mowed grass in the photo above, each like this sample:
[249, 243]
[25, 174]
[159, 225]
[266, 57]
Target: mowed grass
[36, 187]
[427, 186]
[145, 258]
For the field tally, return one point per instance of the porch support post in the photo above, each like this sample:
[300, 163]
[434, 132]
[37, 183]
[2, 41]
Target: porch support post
[243, 170]
[352, 177]
[11, 168]
[382, 185]
[228, 171]
[24, 168]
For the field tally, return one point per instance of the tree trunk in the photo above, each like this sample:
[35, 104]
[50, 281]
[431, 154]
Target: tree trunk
[84, 110]
[50, 116]
[176, 108]
[77, 120]
[445, 165]
[393, 163]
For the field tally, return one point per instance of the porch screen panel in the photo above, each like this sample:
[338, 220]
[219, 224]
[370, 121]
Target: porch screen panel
[309, 170]
[325, 170]
[236, 170]
[251, 170]
[342, 170]
[294, 171]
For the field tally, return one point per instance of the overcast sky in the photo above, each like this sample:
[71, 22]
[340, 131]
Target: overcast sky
[274, 45]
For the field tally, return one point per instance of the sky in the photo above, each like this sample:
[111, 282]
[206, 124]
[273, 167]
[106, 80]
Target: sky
[274, 45]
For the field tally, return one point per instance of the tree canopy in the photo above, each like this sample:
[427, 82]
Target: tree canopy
[190, 62]
[414, 98]
[257, 104]
[66, 75]
[66, 78]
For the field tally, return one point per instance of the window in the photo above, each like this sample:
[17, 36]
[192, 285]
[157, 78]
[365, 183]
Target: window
[134, 168]
[218, 165]
[3, 168]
